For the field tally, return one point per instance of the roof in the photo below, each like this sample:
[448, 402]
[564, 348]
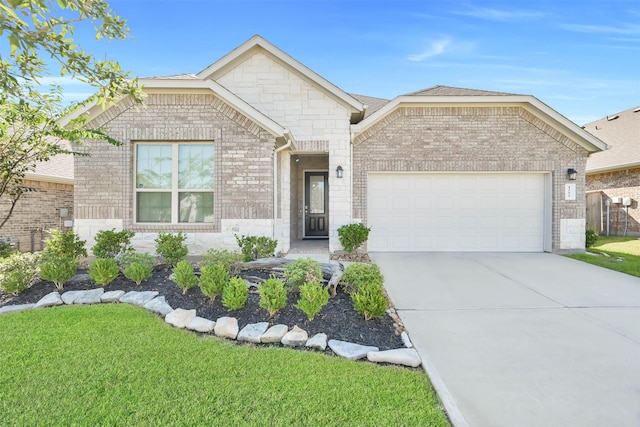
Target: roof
[621, 131]
[450, 96]
[455, 91]
[371, 103]
[58, 169]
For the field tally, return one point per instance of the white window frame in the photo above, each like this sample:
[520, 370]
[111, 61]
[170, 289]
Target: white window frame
[174, 190]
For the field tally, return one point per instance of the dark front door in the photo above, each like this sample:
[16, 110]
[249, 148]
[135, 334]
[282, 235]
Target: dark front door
[316, 204]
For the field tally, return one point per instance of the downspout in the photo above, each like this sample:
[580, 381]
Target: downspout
[275, 179]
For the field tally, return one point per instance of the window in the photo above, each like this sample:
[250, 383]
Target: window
[174, 183]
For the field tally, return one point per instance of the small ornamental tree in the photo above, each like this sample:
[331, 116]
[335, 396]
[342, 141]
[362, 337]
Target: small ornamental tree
[313, 296]
[235, 294]
[213, 279]
[273, 295]
[184, 276]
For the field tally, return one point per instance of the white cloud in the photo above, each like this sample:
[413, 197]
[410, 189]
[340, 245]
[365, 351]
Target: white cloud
[501, 15]
[437, 47]
[626, 29]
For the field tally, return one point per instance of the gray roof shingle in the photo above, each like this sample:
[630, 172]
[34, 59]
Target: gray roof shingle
[373, 104]
[455, 91]
[621, 131]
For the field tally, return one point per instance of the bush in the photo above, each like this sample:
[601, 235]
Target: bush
[352, 236]
[126, 259]
[184, 276]
[110, 243]
[58, 270]
[273, 295]
[301, 271]
[103, 270]
[313, 296]
[235, 294]
[232, 261]
[18, 271]
[64, 244]
[6, 248]
[358, 275]
[591, 237]
[213, 279]
[254, 247]
[137, 272]
[171, 247]
[370, 301]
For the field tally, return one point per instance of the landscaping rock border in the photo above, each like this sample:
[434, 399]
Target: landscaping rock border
[227, 327]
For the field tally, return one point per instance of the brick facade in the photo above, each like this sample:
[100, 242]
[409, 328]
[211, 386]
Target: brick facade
[37, 211]
[622, 183]
[475, 139]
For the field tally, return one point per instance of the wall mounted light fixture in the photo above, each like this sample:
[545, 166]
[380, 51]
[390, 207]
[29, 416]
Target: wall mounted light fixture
[339, 172]
[572, 174]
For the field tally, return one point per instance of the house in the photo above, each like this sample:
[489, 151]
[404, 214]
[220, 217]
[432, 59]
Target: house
[49, 205]
[613, 176]
[259, 144]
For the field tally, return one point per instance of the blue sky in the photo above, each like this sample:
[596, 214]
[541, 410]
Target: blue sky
[581, 57]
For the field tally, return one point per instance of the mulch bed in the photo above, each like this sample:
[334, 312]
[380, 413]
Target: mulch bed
[337, 319]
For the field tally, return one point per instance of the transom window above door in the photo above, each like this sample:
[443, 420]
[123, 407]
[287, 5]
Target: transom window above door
[174, 183]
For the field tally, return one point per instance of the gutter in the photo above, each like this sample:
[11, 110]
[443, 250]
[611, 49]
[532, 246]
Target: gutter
[289, 139]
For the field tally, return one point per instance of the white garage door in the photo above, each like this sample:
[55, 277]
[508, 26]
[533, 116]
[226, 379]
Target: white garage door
[456, 212]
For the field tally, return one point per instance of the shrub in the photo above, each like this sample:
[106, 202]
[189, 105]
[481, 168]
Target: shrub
[64, 244]
[58, 270]
[171, 247]
[235, 294]
[213, 279]
[352, 236]
[126, 259]
[370, 301]
[110, 243]
[255, 247]
[301, 271]
[6, 248]
[137, 272]
[18, 271]
[591, 237]
[273, 295]
[358, 275]
[103, 270]
[232, 261]
[184, 276]
[313, 296]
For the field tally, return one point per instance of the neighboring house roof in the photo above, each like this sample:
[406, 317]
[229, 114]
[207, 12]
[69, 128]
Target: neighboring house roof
[372, 104]
[237, 55]
[455, 91]
[444, 95]
[58, 169]
[621, 131]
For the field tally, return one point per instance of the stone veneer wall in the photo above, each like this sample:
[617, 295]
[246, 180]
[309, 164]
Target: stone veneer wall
[622, 183]
[39, 209]
[243, 168]
[475, 139]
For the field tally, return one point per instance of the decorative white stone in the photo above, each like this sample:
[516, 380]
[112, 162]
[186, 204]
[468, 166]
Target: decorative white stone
[399, 356]
[318, 342]
[49, 300]
[227, 327]
[92, 296]
[15, 308]
[138, 298]
[179, 317]
[159, 305]
[296, 337]
[70, 296]
[350, 350]
[405, 340]
[252, 332]
[200, 324]
[111, 296]
[274, 334]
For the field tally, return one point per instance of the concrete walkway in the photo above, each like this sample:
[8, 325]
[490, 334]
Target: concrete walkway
[522, 339]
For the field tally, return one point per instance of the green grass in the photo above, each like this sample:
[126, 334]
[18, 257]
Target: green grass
[624, 254]
[121, 365]
[618, 244]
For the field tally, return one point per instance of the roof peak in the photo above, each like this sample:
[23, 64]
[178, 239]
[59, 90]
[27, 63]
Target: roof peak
[441, 90]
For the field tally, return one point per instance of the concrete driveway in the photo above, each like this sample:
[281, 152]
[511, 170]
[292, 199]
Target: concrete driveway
[522, 339]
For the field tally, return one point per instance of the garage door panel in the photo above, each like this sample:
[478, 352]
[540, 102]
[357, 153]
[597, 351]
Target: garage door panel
[456, 212]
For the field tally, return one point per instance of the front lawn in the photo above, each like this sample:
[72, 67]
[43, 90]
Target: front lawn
[121, 365]
[624, 254]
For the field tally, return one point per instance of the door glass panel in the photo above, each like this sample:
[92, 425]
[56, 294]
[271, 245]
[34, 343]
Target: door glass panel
[316, 190]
